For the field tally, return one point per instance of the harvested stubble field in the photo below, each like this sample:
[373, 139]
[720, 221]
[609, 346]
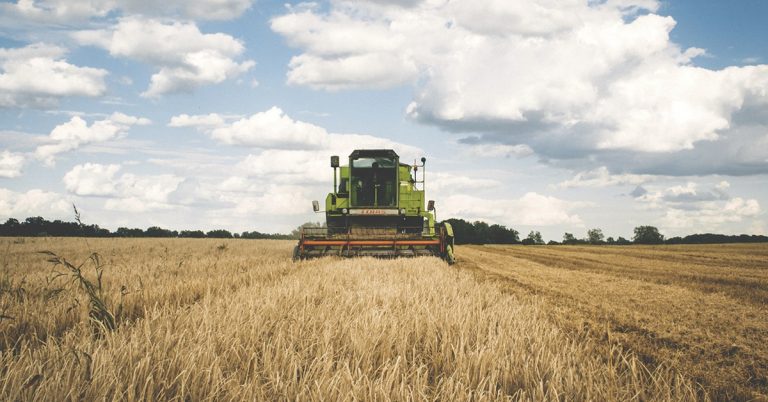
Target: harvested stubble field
[236, 320]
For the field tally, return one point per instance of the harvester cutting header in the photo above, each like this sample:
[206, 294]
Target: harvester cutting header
[377, 208]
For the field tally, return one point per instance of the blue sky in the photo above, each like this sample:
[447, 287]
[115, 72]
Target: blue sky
[546, 115]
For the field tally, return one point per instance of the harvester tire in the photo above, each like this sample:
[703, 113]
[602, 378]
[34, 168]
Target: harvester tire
[296, 254]
[449, 258]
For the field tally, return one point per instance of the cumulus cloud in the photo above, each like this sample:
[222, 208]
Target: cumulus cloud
[688, 207]
[185, 57]
[578, 82]
[446, 183]
[532, 209]
[711, 217]
[343, 52]
[272, 129]
[272, 199]
[91, 179]
[38, 75]
[34, 202]
[602, 177]
[201, 122]
[76, 133]
[67, 11]
[126, 192]
[276, 132]
[11, 164]
[286, 150]
[500, 150]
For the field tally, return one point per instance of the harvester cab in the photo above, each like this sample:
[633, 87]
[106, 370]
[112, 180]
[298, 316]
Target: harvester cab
[377, 208]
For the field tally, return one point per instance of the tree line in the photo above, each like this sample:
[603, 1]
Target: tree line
[479, 232]
[40, 227]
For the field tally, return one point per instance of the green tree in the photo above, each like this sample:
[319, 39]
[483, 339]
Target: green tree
[192, 234]
[595, 236]
[535, 237]
[569, 238]
[647, 235]
[499, 234]
[219, 233]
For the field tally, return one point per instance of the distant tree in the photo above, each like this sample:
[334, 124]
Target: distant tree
[38, 226]
[569, 238]
[622, 241]
[552, 243]
[610, 240]
[647, 235]
[482, 232]
[499, 234]
[674, 240]
[156, 231]
[712, 238]
[126, 232]
[479, 232]
[10, 228]
[595, 236]
[195, 234]
[535, 237]
[219, 234]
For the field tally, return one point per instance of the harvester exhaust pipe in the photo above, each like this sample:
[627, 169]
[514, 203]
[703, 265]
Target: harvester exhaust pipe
[334, 165]
[424, 174]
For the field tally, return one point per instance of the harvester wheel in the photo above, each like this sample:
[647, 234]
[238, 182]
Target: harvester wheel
[296, 253]
[449, 258]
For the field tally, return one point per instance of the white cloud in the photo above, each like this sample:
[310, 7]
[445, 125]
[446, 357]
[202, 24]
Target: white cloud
[288, 151]
[126, 120]
[710, 217]
[91, 179]
[34, 202]
[153, 188]
[446, 183]
[602, 177]
[76, 132]
[285, 138]
[38, 75]
[272, 129]
[11, 164]
[688, 208]
[127, 192]
[274, 199]
[500, 150]
[343, 52]
[571, 80]
[185, 57]
[58, 10]
[64, 11]
[201, 122]
[532, 209]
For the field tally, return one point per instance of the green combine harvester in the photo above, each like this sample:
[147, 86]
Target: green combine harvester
[377, 209]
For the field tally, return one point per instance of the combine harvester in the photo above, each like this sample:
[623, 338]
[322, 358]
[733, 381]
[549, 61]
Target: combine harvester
[376, 210]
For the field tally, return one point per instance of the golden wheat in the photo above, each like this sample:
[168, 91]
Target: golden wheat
[236, 320]
[701, 309]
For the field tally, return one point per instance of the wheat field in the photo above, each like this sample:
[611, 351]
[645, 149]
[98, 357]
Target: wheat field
[205, 319]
